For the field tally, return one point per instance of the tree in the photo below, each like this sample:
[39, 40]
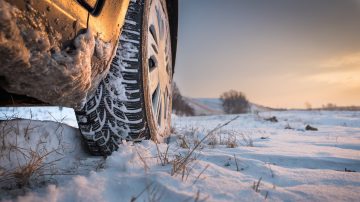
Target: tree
[330, 106]
[234, 102]
[179, 105]
[308, 106]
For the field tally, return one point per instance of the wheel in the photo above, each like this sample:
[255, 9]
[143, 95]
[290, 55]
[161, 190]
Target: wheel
[133, 102]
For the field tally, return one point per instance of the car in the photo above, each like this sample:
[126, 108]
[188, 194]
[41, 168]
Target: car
[111, 60]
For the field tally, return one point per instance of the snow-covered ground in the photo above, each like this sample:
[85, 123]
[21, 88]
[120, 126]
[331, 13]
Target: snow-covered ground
[213, 106]
[205, 106]
[56, 114]
[249, 159]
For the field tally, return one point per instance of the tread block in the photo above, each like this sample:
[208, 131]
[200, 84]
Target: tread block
[104, 112]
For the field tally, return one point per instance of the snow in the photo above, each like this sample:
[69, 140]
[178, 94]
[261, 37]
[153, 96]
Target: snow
[213, 106]
[286, 164]
[56, 114]
[205, 106]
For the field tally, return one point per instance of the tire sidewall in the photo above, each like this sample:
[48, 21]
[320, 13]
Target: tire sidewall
[156, 135]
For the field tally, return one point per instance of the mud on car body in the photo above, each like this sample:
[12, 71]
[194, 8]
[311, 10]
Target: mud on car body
[110, 60]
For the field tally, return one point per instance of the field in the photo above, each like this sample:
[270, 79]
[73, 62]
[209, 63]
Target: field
[250, 157]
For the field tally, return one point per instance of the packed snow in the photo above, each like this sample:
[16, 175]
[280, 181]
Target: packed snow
[249, 159]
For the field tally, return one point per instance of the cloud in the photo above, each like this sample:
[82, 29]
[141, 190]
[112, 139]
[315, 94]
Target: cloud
[343, 71]
[350, 61]
[346, 79]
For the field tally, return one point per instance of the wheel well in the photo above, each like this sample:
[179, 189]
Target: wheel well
[172, 7]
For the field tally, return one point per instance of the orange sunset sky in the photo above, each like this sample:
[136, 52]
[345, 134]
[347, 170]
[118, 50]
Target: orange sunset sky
[280, 53]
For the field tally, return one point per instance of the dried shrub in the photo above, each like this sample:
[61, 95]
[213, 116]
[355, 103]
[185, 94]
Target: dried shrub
[234, 102]
[179, 105]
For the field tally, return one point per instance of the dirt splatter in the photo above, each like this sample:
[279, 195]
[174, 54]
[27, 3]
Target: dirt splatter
[33, 63]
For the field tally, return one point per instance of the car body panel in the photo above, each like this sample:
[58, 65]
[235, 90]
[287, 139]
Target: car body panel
[70, 19]
[173, 13]
[69, 16]
[68, 66]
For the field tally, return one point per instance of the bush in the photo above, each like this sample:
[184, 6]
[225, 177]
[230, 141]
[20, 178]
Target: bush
[234, 102]
[179, 106]
[330, 106]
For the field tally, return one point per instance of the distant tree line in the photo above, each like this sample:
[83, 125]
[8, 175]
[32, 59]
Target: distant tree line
[179, 105]
[234, 102]
[332, 106]
[329, 106]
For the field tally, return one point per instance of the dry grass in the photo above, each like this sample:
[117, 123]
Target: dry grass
[26, 162]
[213, 139]
[256, 185]
[134, 198]
[236, 163]
[198, 177]
[256, 188]
[163, 156]
[231, 142]
[183, 142]
[229, 138]
[30, 171]
[180, 163]
[271, 171]
[247, 140]
[146, 167]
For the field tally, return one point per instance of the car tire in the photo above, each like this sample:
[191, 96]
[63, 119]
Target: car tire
[133, 102]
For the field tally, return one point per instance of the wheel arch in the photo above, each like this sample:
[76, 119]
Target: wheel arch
[173, 12]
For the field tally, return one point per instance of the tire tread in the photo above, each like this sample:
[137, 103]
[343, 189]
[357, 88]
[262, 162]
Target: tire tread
[106, 120]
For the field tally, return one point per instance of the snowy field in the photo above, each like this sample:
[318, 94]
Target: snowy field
[249, 159]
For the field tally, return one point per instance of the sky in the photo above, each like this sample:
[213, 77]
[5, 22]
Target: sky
[280, 53]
